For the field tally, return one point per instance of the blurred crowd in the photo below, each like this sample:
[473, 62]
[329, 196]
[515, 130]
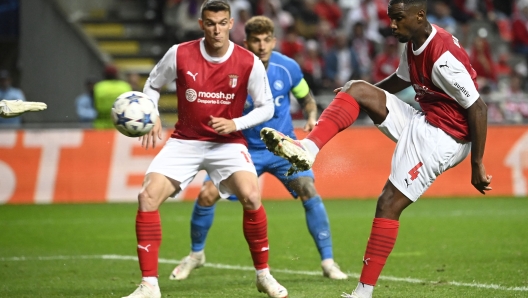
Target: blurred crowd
[335, 41]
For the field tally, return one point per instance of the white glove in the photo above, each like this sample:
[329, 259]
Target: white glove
[13, 108]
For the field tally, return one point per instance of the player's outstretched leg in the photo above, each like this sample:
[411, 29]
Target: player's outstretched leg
[201, 222]
[319, 227]
[292, 150]
[13, 108]
[340, 114]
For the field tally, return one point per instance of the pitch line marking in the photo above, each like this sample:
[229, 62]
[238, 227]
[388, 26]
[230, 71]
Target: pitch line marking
[248, 268]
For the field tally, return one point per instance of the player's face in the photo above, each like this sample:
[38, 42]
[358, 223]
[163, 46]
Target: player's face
[261, 45]
[405, 21]
[216, 26]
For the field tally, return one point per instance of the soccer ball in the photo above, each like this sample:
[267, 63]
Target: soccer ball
[134, 114]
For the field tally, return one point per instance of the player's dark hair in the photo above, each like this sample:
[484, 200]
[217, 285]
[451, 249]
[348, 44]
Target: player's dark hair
[259, 25]
[215, 6]
[409, 2]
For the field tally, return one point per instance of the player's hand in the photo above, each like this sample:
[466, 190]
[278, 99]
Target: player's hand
[222, 126]
[310, 124]
[150, 138]
[13, 108]
[337, 90]
[480, 179]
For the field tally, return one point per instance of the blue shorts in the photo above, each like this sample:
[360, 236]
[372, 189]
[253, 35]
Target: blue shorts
[267, 162]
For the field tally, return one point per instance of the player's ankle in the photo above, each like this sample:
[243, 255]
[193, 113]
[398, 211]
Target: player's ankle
[310, 146]
[263, 271]
[197, 254]
[327, 262]
[364, 290]
[150, 281]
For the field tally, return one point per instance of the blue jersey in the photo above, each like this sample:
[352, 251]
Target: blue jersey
[284, 74]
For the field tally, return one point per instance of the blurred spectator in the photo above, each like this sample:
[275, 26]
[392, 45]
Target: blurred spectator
[8, 92]
[312, 66]
[482, 61]
[520, 29]
[387, 61]
[134, 79]
[307, 21]
[105, 93]
[181, 17]
[341, 63]
[292, 44]
[367, 13]
[515, 106]
[237, 33]
[441, 15]
[328, 10]
[84, 103]
[365, 50]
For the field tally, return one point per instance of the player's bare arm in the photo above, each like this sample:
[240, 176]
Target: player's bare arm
[310, 110]
[150, 138]
[222, 126]
[393, 84]
[478, 126]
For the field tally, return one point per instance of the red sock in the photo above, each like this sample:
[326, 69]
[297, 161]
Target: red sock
[380, 244]
[340, 114]
[148, 233]
[255, 225]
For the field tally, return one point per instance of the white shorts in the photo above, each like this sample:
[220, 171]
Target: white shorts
[422, 152]
[182, 159]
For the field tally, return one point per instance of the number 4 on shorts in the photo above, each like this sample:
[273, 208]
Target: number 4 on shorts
[414, 171]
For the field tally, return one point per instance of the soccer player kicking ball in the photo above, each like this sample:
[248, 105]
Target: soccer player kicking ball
[284, 75]
[14, 108]
[428, 143]
[213, 78]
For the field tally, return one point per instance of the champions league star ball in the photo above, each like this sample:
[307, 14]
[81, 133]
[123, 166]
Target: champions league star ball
[134, 114]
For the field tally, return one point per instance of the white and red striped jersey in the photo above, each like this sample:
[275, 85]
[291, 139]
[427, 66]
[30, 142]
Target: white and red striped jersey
[212, 86]
[444, 81]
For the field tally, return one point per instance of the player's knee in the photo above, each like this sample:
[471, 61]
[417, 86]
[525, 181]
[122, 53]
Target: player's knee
[208, 195]
[148, 202]
[250, 199]
[304, 187]
[358, 89]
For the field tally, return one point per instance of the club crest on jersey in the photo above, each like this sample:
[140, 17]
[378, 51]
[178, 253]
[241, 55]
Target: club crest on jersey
[278, 85]
[233, 80]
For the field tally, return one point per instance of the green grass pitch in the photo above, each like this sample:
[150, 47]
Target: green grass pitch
[445, 248]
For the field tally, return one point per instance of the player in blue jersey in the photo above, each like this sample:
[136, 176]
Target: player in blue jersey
[285, 76]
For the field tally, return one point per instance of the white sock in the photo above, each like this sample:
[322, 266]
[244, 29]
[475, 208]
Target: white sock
[363, 290]
[152, 280]
[327, 262]
[263, 271]
[310, 146]
[197, 254]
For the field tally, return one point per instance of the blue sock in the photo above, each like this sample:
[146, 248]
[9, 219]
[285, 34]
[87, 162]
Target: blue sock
[319, 226]
[201, 222]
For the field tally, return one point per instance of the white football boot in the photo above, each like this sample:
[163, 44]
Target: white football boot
[266, 283]
[353, 295]
[187, 264]
[13, 108]
[288, 148]
[145, 291]
[333, 271]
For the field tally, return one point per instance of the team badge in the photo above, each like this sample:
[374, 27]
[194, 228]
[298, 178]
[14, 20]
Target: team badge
[278, 85]
[190, 95]
[233, 80]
